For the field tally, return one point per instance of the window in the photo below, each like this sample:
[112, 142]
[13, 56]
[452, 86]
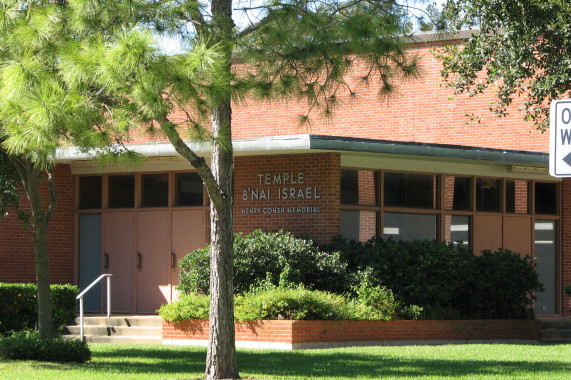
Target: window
[516, 196]
[401, 226]
[546, 198]
[410, 190]
[458, 227]
[154, 190]
[188, 189]
[488, 195]
[90, 192]
[121, 191]
[358, 225]
[358, 187]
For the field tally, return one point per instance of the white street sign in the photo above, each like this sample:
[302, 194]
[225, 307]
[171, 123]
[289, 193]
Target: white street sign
[560, 138]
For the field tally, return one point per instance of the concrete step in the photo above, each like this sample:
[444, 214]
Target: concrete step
[146, 329]
[556, 334]
[557, 330]
[129, 321]
[563, 324]
[115, 330]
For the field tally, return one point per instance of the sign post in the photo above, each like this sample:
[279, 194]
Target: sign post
[560, 138]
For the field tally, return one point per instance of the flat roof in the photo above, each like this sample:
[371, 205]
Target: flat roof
[309, 142]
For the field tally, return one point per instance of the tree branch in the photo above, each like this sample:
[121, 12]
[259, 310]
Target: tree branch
[197, 162]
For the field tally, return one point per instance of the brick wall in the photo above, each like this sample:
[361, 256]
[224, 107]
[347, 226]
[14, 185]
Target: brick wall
[17, 262]
[421, 110]
[307, 332]
[307, 208]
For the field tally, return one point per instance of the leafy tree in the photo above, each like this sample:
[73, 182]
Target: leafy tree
[42, 107]
[522, 49]
[295, 49]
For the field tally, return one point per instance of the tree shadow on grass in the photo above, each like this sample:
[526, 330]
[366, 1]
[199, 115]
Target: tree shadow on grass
[353, 365]
[171, 361]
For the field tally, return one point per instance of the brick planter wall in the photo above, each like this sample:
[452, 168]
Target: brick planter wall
[289, 334]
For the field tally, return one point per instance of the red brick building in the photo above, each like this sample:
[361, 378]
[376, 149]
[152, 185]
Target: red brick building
[410, 167]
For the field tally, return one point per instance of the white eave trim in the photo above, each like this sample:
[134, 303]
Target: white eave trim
[164, 149]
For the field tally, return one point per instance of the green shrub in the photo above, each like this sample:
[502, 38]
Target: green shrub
[188, 306]
[19, 306]
[292, 303]
[298, 303]
[374, 302]
[64, 304]
[18, 311]
[443, 281]
[28, 345]
[567, 290]
[294, 260]
[500, 285]
[423, 273]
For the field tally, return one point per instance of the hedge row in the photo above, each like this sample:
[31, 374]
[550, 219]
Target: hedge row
[445, 281]
[19, 306]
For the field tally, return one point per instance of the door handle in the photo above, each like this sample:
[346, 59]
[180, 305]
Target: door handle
[139, 260]
[173, 262]
[106, 265]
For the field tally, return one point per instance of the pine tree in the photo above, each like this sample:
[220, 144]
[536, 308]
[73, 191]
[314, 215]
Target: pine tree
[43, 107]
[294, 49]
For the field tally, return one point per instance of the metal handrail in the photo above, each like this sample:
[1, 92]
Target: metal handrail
[80, 298]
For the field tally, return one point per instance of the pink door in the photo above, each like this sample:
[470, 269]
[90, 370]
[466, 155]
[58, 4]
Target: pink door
[152, 261]
[119, 259]
[189, 232]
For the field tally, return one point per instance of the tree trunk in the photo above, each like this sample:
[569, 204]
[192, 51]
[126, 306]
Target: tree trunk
[221, 357]
[31, 178]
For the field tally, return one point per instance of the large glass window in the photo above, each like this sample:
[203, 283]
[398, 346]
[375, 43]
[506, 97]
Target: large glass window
[358, 187]
[402, 226]
[546, 198]
[410, 190]
[188, 189]
[358, 225]
[121, 191]
[458, 229]
[90, 192]
[155, 190]
[516, 196]
[488, 193]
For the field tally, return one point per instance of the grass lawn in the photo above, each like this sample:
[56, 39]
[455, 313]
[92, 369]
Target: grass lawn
[474, 361]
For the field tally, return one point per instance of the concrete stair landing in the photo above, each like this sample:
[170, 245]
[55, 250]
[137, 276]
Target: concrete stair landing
[557, 330]
[143, 329]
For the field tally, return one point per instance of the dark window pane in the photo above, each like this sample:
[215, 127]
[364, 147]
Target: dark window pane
[358, 225]
[410, 190]
[155, 190]
[121, 191]
[90, 191]
[188, 189]
[546, 198]
[461, 194]
[516, 196]
[399, 226]
[487, 194]
[459, 228]
[349, 187]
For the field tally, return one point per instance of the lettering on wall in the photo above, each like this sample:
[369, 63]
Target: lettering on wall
[275, 187]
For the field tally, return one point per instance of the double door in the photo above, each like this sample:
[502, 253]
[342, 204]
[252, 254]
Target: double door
[141, 249]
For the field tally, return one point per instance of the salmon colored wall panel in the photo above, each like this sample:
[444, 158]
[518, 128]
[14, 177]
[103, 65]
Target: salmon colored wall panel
[487, 233]
[517, 234]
